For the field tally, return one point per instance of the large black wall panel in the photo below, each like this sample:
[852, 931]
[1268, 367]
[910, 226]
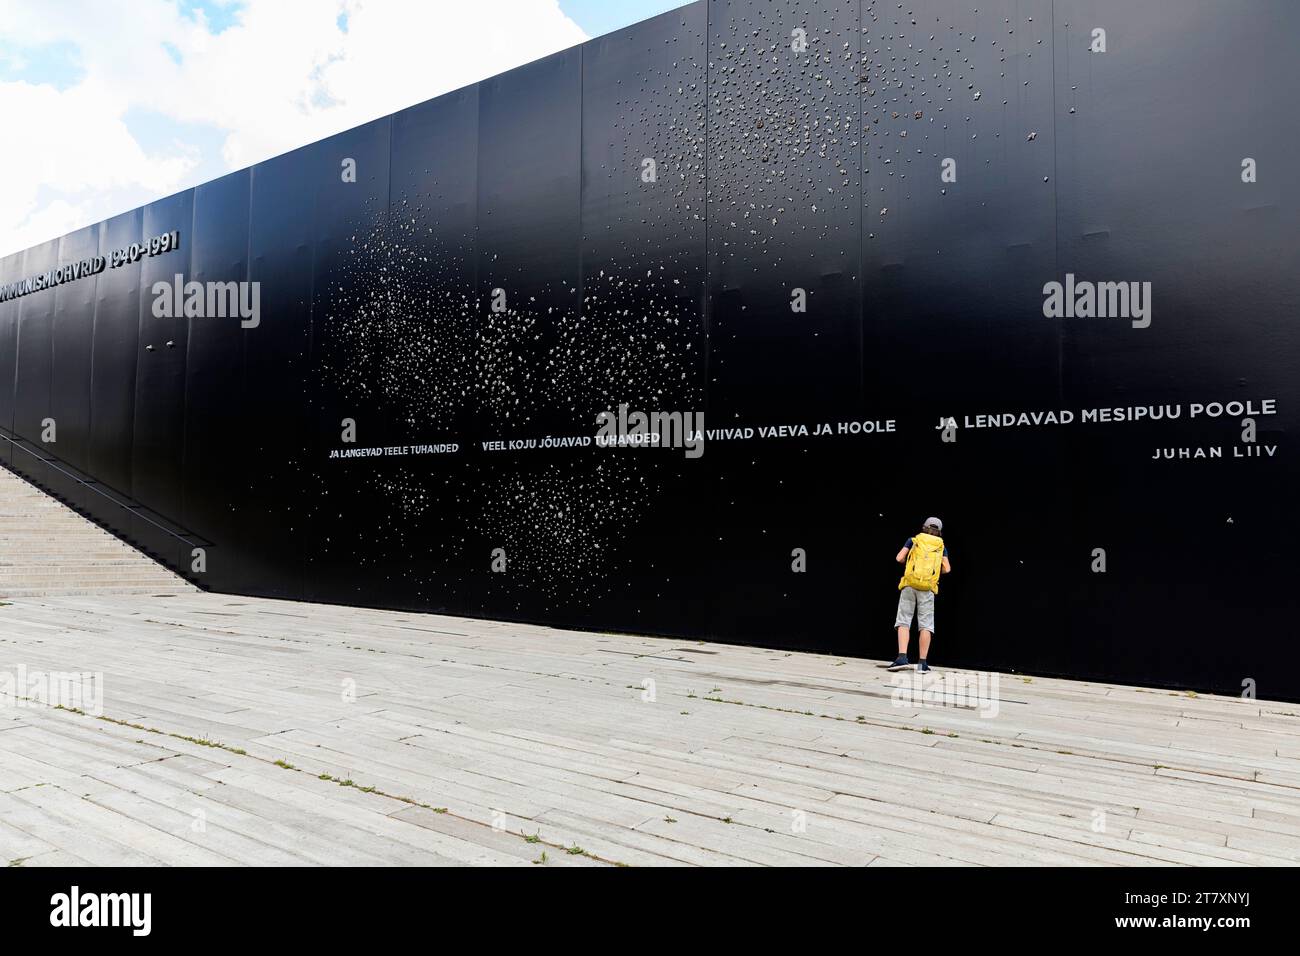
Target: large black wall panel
[784, 328]
[419, 363]
[953, 270]
[11, 270]
[217, 409]
[32, 407]
[1147, 194]
[73, 333]
[529, 157]
[358, 294]
[158, 430]
[639, 340]
[276, 425]
[114, 356]
[529, 335]
[783, 180]
[958, 237]
[643, 237]
[831, 229]
[394, 345]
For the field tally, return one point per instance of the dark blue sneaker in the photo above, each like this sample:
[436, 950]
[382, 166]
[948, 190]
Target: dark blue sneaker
[899, 664]
[922, 667]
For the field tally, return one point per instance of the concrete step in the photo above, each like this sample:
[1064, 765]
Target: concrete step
[65, 538]
[23, 557]
[47, 548]
[54, 523]
[154, 590]
[88, 575]
[113, 566]
[27, 530]
[78, 580]
[84, 571]
[27, 589]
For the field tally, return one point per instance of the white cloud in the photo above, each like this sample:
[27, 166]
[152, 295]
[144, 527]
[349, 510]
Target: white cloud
[284, 74]
[70, 154]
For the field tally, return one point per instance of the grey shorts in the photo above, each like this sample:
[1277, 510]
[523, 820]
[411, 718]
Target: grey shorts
[921, 603]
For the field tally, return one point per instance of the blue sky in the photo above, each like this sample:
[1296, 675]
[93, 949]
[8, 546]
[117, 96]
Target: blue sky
[171, 93]
[605, 16]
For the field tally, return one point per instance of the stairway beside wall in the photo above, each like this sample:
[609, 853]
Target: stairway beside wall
[46, 548]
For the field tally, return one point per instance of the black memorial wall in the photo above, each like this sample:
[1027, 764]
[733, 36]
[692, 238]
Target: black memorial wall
[827, 228]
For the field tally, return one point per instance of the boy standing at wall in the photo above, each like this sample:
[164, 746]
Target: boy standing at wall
[924, 557]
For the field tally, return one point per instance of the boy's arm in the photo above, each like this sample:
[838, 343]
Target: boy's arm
[946, 565]
[902, 555]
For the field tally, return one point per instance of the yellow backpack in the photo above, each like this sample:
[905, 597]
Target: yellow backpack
[924, 563]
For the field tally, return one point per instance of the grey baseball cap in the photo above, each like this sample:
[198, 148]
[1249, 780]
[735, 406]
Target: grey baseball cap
[934, 521]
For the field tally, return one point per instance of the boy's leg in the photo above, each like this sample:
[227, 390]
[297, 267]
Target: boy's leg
[925, 620]
[903, 619]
